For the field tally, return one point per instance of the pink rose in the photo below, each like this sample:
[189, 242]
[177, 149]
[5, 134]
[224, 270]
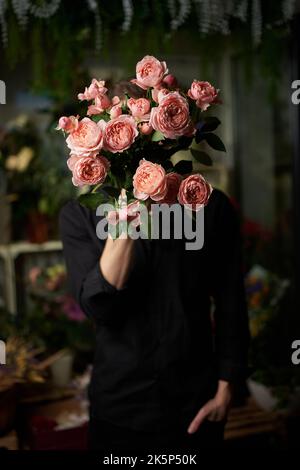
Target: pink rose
[68, 124]
[172, 117]
[203, 93]
[195, 191]
[115, 111]
[170, 81]
[159, 93]
[116, 100]
[129, 213]
[149, 180]
[173, 183]
[95, 89]
[88, 170]
[101, 103]
[87, 139]
[149, 72]
[145, 128]
[138, 107]
[120, 133]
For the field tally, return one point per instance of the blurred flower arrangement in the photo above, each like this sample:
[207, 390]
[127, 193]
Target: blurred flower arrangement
[268, 297]
[264, 291]
[19, 145]
[270, 294]
[31, 183]
[57, 319]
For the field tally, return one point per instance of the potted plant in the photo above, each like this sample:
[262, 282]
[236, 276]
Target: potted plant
[274, 380]
[57, 320]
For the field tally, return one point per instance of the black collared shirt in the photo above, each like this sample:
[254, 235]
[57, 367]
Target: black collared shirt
[158, 354]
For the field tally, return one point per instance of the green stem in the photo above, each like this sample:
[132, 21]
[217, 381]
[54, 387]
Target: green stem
[96, 187]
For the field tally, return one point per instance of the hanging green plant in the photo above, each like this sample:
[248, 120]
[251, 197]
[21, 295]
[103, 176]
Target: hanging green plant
[58, 35]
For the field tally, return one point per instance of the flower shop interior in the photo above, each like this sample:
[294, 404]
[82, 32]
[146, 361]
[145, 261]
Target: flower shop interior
[250, 51]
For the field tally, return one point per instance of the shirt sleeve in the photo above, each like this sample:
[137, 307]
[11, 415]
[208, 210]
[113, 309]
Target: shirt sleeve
[98, 299]
[231, 314]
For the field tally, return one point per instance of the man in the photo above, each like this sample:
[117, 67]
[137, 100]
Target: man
[163, 371]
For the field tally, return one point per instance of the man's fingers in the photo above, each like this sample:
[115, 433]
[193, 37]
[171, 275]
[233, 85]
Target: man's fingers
[118, 243]
[199, 418]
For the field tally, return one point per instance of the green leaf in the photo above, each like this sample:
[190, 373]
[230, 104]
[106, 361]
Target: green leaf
[98, 117]
[211, 123]
[183, 167]
[184, 142]
[214, 141]
[199, 136]
[157, 136]
[92, 200]
[149, 93]
[167, 164]
[201, 157]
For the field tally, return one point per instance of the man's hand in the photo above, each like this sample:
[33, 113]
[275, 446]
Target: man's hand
[215, 409]
[116, 260]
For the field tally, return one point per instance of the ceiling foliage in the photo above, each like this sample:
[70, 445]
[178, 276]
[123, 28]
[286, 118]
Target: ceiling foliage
[57, 35]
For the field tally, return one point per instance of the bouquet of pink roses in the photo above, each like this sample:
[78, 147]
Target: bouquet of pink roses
[124, 144]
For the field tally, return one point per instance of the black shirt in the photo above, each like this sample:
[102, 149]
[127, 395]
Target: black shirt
[158, 355]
